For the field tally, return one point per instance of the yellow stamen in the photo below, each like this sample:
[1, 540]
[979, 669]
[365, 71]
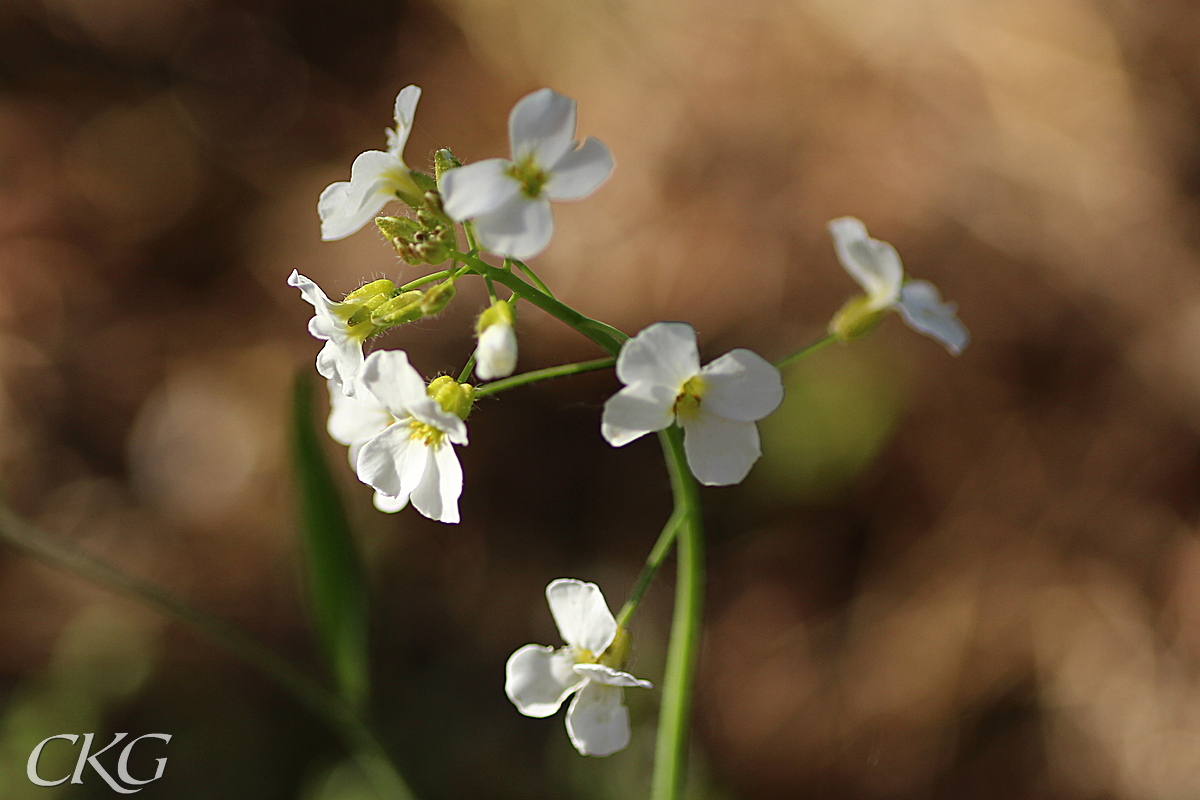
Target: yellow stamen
[687, 404]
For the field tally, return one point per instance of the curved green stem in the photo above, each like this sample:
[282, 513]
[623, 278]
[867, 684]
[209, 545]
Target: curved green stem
[533, 278]
[526, 378]
[604, 335]
[807, 350]
[341, 718]
[430, 278]
[684, 649]
[466, 370]
[653, 562]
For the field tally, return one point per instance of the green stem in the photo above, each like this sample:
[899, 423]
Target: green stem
[533, 277]
[807, 350]
[604, 335]
[466, 370]
[359, 740]
[653, 562]
[430, 278]
[684, 648]
[526, 378]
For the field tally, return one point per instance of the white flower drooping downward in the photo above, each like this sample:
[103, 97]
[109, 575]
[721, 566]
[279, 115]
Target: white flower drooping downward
[877, 268]
[539, 679]
[404, 434]
[496, 353]
[341, 359]
[375, 178]
[717, 406]
[510, 200]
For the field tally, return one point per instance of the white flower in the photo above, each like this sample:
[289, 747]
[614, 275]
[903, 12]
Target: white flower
[341, 359]
[510, 200]
[403, 437]
[716, 406]
[375, 178]
[538, 679]
[355, 420]
[877, 268]
[496, 353]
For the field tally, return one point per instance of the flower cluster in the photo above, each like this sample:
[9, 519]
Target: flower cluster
[401, 430]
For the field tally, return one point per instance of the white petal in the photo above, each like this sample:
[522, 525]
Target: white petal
[353, 419]
[664, 354]
[388, 505]
[311, 293]
[448, 486]
[384, 458]
[597, 721]
[538, 679]
[427, 496]
[496, 354]
[742, 385]
[394, 382]
[344, 207]
[580, 172]
[478, 188]
[874, 264]
[720, 452]
[406, 109]
[582, 616]
[429, 411]
[520, 228]
[542, 125]
[635, 411]
[922, 308]
[341, 361]
[610, 676]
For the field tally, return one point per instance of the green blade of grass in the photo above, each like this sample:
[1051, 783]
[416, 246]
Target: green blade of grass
[337, 592]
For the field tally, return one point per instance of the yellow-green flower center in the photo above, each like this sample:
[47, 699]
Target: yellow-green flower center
[531, 177]
[687, 404]
[426, 433]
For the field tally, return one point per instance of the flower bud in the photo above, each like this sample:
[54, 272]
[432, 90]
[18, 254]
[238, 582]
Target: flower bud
[394, 228]
[402, 308]
[454, 397]
[856, 319]
[437, 298]
[444, 160]
[496, 353]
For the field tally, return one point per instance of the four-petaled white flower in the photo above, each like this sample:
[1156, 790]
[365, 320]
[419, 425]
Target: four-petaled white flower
[510, 200]
[353, 421]
[404, 439]
[877, 268]
[539, 679]
[375, 178]
[341, 359]
[717, 406]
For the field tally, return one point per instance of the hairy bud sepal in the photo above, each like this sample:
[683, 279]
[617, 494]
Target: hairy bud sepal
[454, 397]
[856, 319]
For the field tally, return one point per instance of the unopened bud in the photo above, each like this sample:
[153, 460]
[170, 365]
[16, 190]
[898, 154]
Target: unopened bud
[394, 228]
[498, 312]
[437, 298]
[454, 397]
[856, 319]
[398, 310]
[444, 160]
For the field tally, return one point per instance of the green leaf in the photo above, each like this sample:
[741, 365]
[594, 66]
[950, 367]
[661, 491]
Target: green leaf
[337, 592]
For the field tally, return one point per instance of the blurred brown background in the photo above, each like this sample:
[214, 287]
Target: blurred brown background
[972, 578]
